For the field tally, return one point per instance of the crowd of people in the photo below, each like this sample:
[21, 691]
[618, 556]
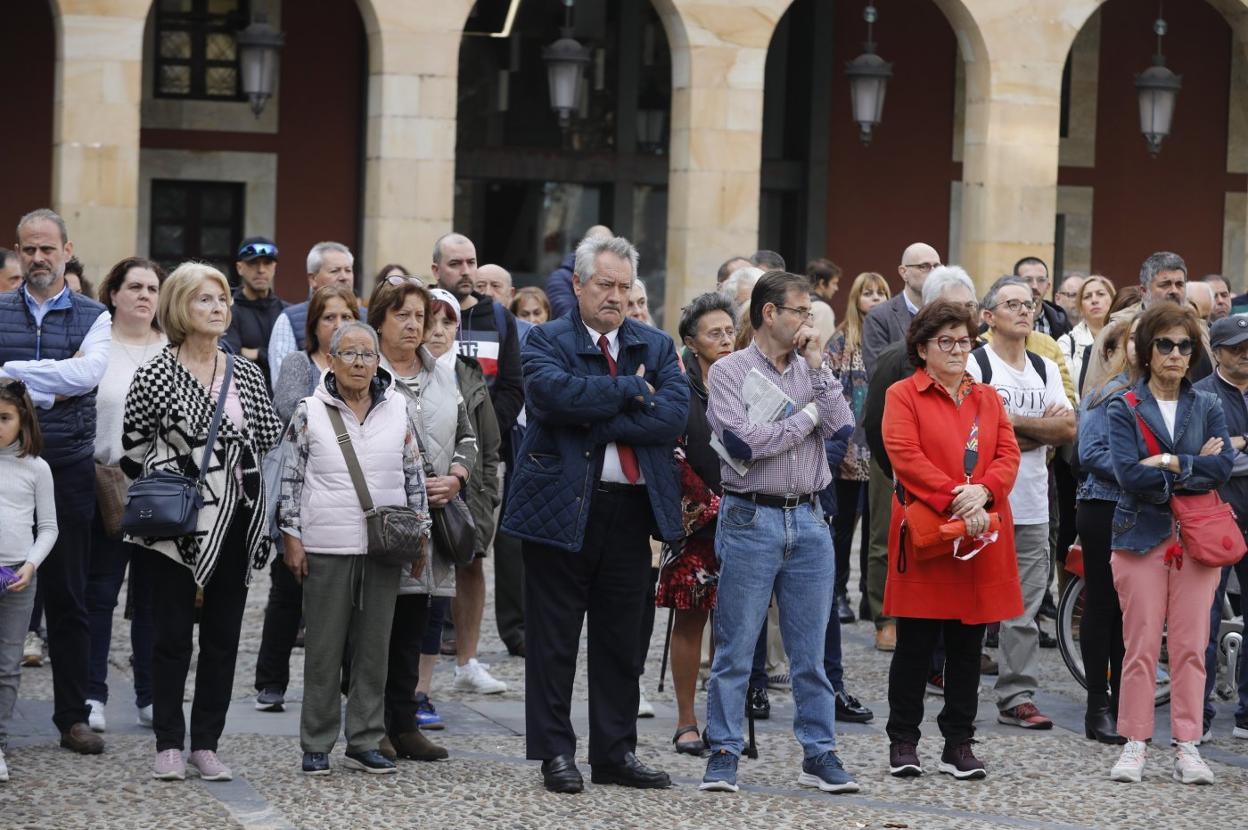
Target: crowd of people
[372, 452]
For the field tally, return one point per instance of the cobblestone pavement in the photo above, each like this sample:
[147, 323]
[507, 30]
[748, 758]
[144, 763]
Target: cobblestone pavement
[1043, 780]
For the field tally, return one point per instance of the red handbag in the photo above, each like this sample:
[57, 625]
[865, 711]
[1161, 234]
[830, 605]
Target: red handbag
[1206, 525]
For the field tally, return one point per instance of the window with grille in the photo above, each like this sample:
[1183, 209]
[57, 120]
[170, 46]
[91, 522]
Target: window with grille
[196, 54]
[196, 220]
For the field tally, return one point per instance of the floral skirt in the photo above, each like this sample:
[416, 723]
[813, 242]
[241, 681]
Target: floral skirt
[688, 577]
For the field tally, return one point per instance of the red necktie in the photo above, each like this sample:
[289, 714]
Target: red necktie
[628, 458]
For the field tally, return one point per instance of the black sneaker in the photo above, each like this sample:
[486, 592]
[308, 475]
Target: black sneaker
[959, 761]
[1047, 640]
[271, 700]
[370, 761]
[992, 640]
[903, 759]
[316, 763]
[757, 704]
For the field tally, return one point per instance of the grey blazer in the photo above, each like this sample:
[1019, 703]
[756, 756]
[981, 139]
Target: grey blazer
[887, 323]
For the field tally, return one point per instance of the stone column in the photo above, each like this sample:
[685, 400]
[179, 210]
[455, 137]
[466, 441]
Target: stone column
[95, 155]
[718, 56]
[409, 172]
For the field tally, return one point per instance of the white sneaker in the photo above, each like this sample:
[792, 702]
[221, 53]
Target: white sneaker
[473, 677]
[1189, 767]
[95, 718]
[1130, 766]
[4, 768]
[645, 709]
[781, 682]
[32, 650]
[145, 715]
[1239, 731]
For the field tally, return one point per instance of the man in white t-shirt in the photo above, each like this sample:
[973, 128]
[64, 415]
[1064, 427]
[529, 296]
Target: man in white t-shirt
[1030, 386]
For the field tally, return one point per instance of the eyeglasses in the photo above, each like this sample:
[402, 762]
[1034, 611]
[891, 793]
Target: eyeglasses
[1070, 295]
[395, 279]
[1015, 305]
[922, 267]
[256, 250]
[946, 344]
[715, 335]
[1164, 345]
[803, 313]
[352, 357]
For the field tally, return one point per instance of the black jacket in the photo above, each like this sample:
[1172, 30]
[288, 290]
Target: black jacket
[1056, 317]
[498, 352]
[891, 365]
[252, 324]
[1235, 491]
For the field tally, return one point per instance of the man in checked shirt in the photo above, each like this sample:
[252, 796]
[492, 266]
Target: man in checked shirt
[771, 534]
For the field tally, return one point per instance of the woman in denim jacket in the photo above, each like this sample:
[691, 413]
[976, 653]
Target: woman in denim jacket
[1157, 586]
[1100, 631]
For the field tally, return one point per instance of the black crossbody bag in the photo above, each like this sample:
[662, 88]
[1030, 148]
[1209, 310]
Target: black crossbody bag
[164, 504]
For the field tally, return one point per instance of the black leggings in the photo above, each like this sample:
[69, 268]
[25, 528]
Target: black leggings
[848, 495]
[1100, 632]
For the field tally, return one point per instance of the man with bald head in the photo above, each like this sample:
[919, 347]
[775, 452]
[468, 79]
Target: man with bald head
[1200, 296]
[559, 283]
[889, 321]
[494, 281]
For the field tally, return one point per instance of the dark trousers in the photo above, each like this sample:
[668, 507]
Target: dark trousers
[850, 504]
[606, 581]
[411, 612]
[435, 621]
[1067, 520]
[832, 664]
[220, 621]
[36, 612]
[1100, 630]
[281, 627]
[109, 561]
[907, 678]
[646, 632]
[508, 581]
[63, 576]
[1211, 651]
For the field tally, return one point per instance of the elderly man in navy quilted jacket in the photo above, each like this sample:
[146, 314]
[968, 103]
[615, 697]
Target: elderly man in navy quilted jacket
[595, 479]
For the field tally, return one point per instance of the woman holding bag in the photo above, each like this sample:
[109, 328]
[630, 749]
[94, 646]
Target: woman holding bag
[954, 453]
[1161, 582]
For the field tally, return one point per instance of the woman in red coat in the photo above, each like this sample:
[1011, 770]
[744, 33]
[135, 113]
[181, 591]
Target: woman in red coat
[935, 423]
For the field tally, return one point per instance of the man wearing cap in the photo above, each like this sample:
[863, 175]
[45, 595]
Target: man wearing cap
[256, 307]
[1228, 339]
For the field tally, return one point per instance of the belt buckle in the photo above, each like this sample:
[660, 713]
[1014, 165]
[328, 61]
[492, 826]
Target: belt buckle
[792, 501]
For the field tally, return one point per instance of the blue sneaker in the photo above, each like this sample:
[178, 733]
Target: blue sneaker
[316, 763]
[825, 772]
[426, 716]
[721, 773]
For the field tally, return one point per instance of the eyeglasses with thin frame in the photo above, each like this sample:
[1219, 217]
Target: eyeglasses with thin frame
[396, 280]
[946, 343]
[1164, 346]
[804, 313]
[1015, 305]
[352, 357]
[922, 267]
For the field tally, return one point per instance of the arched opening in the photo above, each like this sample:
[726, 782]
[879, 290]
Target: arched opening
[823, 192]
[212, 173]
[1116, 204]
[526, 189]
[27, 78]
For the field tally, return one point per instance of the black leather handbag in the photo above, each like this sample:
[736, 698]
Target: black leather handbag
[164, 504]
[453, 531]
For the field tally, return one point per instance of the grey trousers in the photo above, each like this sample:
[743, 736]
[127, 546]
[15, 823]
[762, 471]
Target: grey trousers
[1020, 637]
[345, 597]
[14, 620]
[880, 500]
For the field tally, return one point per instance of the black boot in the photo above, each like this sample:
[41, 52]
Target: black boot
[1098, 723]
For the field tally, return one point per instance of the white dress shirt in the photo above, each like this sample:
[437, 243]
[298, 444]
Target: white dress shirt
[72, 377]
[281, 343]
[611, 469]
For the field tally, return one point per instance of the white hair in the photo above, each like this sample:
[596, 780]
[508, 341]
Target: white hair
[942, 279]
[591, 246]
[317, 254]
[347, 328]
[637, 283]
[744, 276]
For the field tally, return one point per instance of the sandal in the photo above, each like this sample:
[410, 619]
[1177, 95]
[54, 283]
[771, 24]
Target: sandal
[695, 747]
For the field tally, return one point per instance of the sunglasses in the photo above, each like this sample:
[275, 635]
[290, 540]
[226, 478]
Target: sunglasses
[258, 249]
[1164, 345]
[396, 280]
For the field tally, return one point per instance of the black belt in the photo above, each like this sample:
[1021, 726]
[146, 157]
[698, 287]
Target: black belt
[784, 502]
[617, 487]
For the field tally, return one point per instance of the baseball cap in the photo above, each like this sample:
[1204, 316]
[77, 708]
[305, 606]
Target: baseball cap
[1229, 331]
[256, 247]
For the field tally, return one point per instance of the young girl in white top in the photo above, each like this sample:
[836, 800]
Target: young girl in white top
[26, 500]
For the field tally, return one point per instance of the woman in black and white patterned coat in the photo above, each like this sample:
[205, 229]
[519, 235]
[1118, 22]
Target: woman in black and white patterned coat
[168, 409]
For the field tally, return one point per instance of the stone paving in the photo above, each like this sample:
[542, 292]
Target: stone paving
[1036, 780]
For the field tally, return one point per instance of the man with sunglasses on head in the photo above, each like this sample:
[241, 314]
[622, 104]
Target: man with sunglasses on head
[328, 263]
[1031, 388]
[256, 305]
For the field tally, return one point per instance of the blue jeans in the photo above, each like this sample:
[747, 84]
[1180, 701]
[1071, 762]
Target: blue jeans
[1211, 653]
[761, 550]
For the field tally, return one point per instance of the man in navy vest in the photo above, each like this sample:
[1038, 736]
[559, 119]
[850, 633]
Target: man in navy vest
[57, 341]
[328, 263]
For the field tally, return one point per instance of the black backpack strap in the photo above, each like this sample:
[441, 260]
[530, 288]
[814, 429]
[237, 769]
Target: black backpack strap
[985, 365]
[1083, 367]
[1038, 363]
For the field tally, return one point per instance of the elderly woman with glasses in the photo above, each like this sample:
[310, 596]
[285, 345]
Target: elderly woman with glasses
[346, 594]
[953, 452]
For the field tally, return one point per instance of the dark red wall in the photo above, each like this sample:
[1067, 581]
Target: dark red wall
[1176, 201]
[319, 138]
[897, 190]
[27, 73]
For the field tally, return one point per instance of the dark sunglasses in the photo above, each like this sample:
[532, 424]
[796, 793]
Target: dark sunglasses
[1164, 345]
[258, 249]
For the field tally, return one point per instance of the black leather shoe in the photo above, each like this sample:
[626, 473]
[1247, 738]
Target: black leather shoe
[850, 710]
[696, 747]
[1047, 640]
[560, 775]
[630, 773]
[756, 703]
[864, 609]
[844, 611]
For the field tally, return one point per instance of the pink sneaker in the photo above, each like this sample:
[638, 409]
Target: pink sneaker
[169, 766]
[1025, 715]
[209, 766]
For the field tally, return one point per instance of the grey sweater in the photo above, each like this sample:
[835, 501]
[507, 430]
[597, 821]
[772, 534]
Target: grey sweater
[26, 499]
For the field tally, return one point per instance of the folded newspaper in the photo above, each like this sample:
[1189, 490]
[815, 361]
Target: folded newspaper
[765, 403]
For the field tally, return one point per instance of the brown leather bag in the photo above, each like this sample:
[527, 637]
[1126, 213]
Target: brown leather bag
[110, 497]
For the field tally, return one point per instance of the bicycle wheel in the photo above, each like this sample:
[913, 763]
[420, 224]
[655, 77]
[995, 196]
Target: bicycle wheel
[1069, 616]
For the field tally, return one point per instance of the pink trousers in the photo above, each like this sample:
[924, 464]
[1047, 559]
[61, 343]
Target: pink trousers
[1154, 594]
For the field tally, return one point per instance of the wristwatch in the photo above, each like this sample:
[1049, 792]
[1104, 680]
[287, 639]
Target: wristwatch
[463, 482]
[1165, 459]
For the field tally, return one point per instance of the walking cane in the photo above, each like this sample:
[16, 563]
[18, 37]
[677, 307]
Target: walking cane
[751, 749]
[667, 644]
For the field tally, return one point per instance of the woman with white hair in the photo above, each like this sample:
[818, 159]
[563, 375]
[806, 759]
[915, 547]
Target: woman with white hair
[739, 286]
